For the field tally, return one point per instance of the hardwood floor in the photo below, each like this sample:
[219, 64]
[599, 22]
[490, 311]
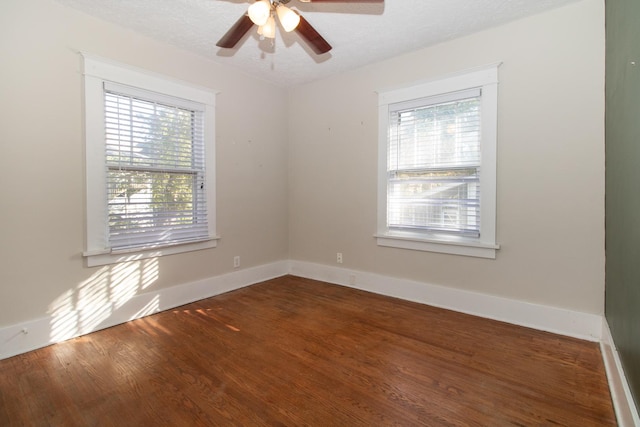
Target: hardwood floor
[294, 351]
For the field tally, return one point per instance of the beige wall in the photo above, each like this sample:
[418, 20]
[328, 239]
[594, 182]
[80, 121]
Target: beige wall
[550, 162]
[42, 164]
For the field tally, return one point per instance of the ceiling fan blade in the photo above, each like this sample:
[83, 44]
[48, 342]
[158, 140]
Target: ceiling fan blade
[315, 40]
[236, 32]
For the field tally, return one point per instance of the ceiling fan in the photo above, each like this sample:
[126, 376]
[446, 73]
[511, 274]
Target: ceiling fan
[263, 12]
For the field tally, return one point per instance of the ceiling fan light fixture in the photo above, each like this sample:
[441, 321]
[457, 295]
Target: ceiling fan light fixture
[269, 28]
[262, 14]
[259, 12]
[288, 18]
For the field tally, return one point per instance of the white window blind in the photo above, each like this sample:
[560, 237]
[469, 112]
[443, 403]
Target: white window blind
[155, 169]
[433, 165]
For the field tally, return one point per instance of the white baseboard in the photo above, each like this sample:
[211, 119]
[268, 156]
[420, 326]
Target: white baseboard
[37, 333]
[41, 332]
[551, 319]
[626, 411]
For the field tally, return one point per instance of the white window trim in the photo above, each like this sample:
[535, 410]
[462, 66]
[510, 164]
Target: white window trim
[485, 246]
[96, 71]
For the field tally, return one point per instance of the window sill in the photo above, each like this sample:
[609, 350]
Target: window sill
[97, 258]
[442, 244]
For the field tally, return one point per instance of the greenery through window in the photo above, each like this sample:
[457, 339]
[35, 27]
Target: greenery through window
[155, 172]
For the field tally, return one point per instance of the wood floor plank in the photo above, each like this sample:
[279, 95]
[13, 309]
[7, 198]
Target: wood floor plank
[294, 351]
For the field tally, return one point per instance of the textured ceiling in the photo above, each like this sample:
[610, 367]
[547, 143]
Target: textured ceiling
[360, 33]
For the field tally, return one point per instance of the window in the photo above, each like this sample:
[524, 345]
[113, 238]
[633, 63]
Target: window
[437, 165]
[150, 164]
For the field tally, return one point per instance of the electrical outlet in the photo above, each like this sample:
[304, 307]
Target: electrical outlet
[339, 257]
[236, 261]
